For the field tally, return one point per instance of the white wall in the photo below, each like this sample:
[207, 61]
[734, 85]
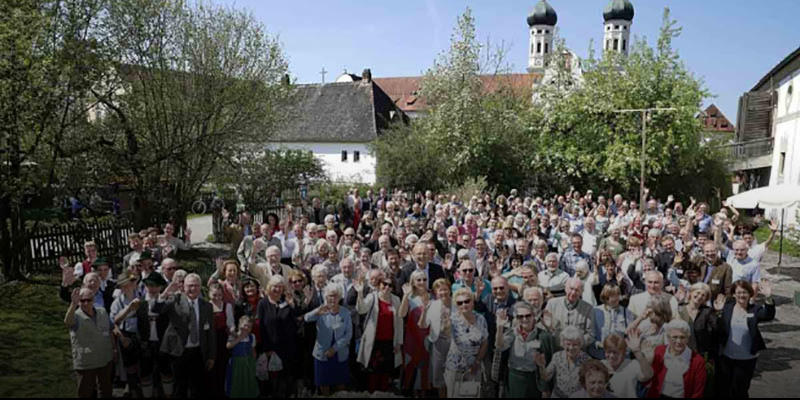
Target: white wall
[787, 138]
[330, 154]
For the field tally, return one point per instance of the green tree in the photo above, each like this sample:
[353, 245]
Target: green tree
[194, 83]
[261, 176]
[50, 57]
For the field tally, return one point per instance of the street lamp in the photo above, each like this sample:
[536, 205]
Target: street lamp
[645, 114]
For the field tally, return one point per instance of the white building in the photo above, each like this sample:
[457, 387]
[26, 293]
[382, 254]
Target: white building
[767, 148]
[337, 122]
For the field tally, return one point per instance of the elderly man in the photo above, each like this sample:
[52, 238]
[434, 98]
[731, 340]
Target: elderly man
[264, 271]
[92, 343]
[137, 246]
[591, 236]
[654, 284]
[552, 278]
[571, 311]
[715, 272]
[267, 236]
[379, 257]
[346, 279]
[190, 337]
[247, 245]
[744, 267]
[573, 255]
[419, 255]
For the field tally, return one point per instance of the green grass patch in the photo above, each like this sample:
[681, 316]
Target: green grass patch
[34, 343]
[789, 247]
[196, 216]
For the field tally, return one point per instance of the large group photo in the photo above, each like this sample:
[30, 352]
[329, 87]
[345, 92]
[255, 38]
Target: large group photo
[463, 199]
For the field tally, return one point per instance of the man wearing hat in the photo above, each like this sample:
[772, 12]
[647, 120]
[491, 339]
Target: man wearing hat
[151, 327]
[123, 315]
[105, 289]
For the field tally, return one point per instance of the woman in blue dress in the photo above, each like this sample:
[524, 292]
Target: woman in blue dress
[332, 347]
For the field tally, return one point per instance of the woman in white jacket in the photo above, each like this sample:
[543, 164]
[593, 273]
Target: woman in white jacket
[380, 348]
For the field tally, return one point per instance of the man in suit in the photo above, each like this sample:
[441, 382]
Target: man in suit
[420, 256]
[715, 272]
[190, 338]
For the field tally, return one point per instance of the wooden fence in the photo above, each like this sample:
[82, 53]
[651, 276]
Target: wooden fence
[49, 243]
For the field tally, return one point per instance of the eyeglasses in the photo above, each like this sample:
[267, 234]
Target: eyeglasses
[348, 235]
[497, 288]
[524, 316]
[467, 270]
[678, 338]
[86, 300]
[461, 303]
[386, 283]
[295, 282]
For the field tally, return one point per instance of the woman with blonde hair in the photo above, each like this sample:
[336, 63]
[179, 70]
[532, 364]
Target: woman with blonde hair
[436, 316]
[469, 343]
[415, 296]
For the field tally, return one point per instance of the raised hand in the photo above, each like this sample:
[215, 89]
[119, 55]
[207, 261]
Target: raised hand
[480, 285]
[358, 284]
[135, 304]
[719, 302]
[765, 287]
[75, 297]
[682, 294]
[634, 340]
[67, 272]
[406, 289]
[501, 315]
[773, 226]
[547, 320]
[172, 288]
[323, 309]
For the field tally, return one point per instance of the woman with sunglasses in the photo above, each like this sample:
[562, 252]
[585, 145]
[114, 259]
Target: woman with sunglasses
[470, 341]
[416, 369]
[382, 337]
[524, 339]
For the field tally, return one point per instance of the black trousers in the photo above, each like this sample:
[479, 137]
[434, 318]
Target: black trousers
[733, 377]
[190, 374]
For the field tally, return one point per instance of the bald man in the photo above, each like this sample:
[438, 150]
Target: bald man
[654, 283]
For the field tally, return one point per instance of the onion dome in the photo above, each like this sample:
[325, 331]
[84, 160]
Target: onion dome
[618, 10]
[542, 14]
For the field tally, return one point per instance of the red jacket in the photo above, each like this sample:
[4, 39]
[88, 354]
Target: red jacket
[694, 379]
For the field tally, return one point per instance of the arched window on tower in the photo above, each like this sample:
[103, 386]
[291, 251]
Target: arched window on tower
[608, 44]
[546, 48]
[539, 48]
[624, 42]
[616, 44]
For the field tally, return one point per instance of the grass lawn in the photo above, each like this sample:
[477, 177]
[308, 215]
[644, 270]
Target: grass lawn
[35, 358]
[789, 247]
[195, 216]
[34, 343]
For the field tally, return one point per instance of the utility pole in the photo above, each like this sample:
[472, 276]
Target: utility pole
[645, 114]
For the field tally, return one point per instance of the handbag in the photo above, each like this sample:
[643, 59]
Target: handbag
[468, 388]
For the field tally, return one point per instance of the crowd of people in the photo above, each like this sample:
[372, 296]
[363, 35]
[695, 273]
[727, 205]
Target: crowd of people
[429, 295]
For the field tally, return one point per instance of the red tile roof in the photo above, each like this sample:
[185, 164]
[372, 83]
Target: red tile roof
[404, 91]
[714, 120]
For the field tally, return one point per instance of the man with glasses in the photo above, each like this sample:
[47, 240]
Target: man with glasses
[93, 346]
[571, 310]
[500, 299]
[744, 267]
[715, 272]
[467, 277]
[420, 262]
[571, 257]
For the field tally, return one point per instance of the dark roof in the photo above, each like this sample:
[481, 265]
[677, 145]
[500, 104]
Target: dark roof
[774, 71]
[618, 9]
[542, 14]
[349, 112]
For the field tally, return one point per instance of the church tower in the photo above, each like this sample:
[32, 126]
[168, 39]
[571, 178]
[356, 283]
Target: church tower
[542, 23]
[618, 16]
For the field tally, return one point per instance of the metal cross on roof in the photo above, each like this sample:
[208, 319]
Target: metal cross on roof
[323, 72]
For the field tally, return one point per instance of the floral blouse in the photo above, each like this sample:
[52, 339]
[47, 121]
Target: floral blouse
[466, 341]
[567, 378]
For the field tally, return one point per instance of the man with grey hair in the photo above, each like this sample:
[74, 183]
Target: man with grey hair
[571, 310]
[419, 255]
[92, 343]
[247, 245]
[264, 271]
[654, 284]
[379, 257]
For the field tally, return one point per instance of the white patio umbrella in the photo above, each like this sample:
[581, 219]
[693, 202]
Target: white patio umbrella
[779, 196]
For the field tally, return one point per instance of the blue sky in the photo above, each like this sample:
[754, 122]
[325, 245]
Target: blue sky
[731, 44]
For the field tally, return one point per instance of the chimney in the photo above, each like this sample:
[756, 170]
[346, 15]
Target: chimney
[285, 80]
[367, 75]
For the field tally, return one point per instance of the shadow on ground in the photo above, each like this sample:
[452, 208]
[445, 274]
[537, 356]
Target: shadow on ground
[776, 359]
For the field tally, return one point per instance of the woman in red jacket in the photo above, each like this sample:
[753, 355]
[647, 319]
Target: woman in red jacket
[678, 371]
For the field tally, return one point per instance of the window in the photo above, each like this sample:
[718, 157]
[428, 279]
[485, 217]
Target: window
[547, 31]
[624, 42]
[539, 48]
[608, 44]
[616, 44]
[356, 156]
[344, 155]
[782, 164]
[546, 48]
[617, 27]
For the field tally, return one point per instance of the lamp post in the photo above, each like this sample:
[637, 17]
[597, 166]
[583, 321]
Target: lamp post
[645, 114]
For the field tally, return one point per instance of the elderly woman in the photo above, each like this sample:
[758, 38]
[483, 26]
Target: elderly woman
[332, 345]
[436, 316]
[594, 377]
[702, 320]
[469, 344]
[417, 358]
[553, 279]
[740, 338]
[627, 373]
[565, 365]
[277, 316]
[227, 276]
[525, 340]
[382, 337]
[651, 324]
[677, 370]
[609, 318]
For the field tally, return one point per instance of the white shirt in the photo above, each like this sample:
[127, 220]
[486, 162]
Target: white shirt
[676, 366]
[638, 304]
[550, 280]
[756, 252]
[287, 244]
[195, 306]
[623, 382]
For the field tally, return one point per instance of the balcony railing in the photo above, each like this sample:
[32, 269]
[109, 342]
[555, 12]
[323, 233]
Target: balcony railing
[749, 149]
